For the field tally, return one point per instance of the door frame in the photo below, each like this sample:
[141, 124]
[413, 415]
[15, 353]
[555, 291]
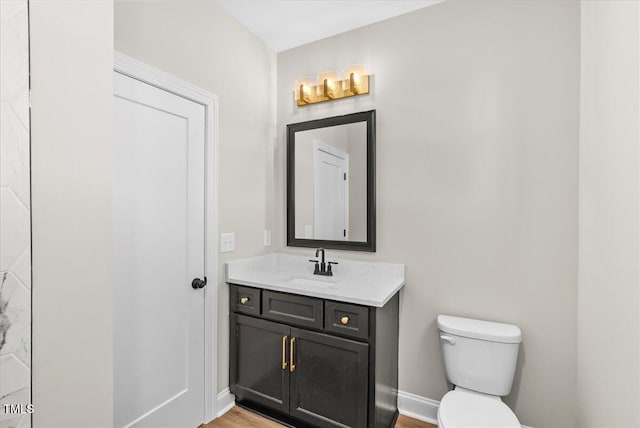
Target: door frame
[135, 69]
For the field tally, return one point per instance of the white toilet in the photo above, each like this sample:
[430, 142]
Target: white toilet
[480, 361]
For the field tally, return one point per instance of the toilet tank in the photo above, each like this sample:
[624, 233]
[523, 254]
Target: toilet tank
[479, 355]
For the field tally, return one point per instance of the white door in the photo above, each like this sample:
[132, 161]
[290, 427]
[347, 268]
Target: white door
[159, 244]
[331, 193]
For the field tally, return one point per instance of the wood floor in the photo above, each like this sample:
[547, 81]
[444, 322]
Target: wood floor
[238, 417]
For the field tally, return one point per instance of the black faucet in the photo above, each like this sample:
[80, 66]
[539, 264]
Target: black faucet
[322, 268]
[321, 250]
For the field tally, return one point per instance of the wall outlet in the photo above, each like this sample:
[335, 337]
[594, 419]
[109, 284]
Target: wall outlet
[227, 242]
[267, 238]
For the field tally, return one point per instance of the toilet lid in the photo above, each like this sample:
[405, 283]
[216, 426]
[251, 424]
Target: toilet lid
[461, 409]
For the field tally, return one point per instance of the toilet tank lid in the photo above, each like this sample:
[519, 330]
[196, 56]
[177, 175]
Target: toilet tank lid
[477, 329]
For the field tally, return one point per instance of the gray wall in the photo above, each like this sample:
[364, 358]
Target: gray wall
[358, 182]
[197, 41]
[71, 172]
[608, 289]
[477, 126]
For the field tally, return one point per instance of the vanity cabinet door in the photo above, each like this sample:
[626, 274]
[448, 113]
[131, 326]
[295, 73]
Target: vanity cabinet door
[259, 361]
[329, 384]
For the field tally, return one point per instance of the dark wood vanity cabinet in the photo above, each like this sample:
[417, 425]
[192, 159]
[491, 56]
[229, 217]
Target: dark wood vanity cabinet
[314, 362]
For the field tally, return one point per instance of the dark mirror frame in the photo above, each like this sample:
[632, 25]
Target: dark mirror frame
[370, 244]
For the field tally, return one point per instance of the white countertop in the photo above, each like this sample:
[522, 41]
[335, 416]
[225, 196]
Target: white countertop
[363, 283]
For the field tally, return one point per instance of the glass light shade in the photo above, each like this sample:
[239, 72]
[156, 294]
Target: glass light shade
[303, 88]
[331, 78]
[358, 71]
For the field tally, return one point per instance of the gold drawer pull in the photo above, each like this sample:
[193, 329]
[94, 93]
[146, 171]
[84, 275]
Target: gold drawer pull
[244, 300]
[292, 366]
[284, 352]
[344, 320]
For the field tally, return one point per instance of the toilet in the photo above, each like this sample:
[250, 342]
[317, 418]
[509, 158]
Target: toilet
[480, 361]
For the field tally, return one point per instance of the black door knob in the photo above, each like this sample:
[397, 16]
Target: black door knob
[199, 283]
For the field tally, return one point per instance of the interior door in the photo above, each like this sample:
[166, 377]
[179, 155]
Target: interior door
[159, 244]
[331, 215]
[329, 386]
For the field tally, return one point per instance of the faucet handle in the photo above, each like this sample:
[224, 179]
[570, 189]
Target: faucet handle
[316, 268]
[329, 266]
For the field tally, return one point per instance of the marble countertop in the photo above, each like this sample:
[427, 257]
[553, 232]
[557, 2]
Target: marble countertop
[363, 283]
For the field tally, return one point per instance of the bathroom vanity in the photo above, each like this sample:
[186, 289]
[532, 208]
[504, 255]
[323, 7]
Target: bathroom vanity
[315, 351]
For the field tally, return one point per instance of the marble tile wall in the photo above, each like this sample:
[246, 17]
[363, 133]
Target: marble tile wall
[15, 233]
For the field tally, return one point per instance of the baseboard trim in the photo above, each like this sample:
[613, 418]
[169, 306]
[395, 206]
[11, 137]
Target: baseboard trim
[417, 407]
[411, 405]
[225, 402]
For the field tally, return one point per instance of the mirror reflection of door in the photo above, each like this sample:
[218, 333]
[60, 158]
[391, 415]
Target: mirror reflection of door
[328, 206]
[331, 192]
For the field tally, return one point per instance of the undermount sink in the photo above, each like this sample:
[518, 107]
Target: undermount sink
[305, 280]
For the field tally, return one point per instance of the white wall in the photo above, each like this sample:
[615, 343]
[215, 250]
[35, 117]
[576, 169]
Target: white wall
[609, 288]
[477, 174]
[197, 41]
[71, 123]
[15, 218]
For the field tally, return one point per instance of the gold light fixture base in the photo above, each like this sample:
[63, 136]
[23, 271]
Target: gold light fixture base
[354, 85]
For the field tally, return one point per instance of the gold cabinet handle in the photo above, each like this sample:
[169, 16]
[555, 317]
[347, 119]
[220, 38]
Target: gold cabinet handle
[344, 320]
[284, 352]
[292, 366]
[244, 300]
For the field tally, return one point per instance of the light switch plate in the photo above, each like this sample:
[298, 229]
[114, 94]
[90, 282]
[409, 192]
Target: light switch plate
[227, 242]
[267, 238]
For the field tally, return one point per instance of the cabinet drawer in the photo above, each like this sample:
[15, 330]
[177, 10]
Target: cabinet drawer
[347, 319]
[245, 299]
[292, 309]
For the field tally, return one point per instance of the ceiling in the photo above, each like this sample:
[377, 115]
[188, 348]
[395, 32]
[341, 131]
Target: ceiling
[285, 24]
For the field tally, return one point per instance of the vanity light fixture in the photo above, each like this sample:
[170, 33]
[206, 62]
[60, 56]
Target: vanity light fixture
[330, 87]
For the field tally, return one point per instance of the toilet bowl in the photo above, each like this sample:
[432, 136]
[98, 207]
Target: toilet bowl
[480, 360]
[464, 408]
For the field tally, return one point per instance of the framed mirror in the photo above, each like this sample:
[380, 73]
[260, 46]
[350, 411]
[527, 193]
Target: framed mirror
[331, 182]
